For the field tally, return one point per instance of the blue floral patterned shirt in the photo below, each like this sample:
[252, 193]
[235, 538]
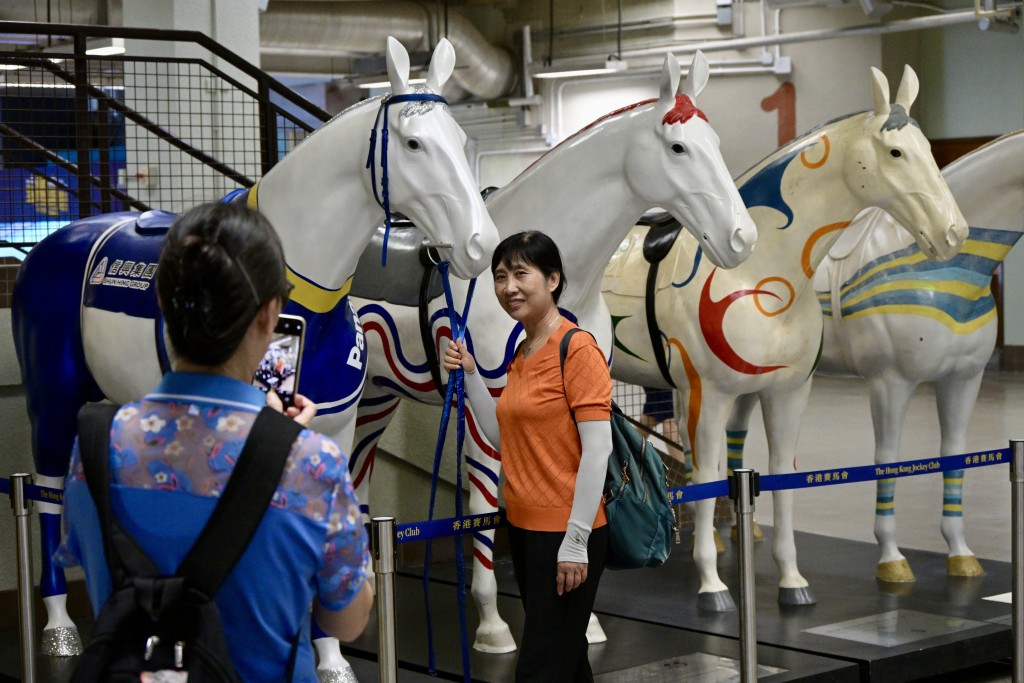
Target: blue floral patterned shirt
[171, 456]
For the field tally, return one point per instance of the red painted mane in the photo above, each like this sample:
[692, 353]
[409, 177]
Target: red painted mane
[681, 113]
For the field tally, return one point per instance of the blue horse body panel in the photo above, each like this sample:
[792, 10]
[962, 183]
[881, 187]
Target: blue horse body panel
[122, 272]
[334, 361]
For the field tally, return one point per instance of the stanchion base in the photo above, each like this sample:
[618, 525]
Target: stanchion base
[62, 641]
[717, 601]
[343, 675]
[796, 597]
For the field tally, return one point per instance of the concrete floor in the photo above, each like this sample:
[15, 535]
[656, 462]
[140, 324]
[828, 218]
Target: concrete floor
[837, 432]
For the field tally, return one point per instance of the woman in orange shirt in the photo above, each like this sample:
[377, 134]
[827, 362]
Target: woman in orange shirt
[554, 434]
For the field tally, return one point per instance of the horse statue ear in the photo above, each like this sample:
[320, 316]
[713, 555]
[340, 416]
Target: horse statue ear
[908, 90]
[442, 63]
[697, 78]
[880, 91]
[669, 82]
[398, 67]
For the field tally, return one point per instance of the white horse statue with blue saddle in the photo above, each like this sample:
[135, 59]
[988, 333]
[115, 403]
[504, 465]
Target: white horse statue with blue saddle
[754, 332]
[897, 319]
[85, 315]
[586, 194]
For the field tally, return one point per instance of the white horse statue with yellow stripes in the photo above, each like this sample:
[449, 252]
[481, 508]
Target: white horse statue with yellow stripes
[898, 319]
[85, 316]
[753, 332]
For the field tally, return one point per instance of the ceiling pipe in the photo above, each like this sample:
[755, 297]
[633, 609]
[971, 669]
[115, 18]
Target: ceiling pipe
[916, 24]
[347, 28]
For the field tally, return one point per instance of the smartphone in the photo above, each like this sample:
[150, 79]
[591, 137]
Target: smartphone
[279, 369]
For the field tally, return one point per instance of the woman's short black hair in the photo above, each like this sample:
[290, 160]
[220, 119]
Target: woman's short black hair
[219, 264]
[533, 248]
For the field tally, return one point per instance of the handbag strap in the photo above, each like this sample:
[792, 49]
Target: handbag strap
[234, 520]
[563, 351]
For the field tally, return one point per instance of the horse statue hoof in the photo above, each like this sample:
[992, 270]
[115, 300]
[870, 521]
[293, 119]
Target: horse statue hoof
[715, 601]
[494, 641]
[896, 571]
[797, 596]
[964, 565]
[595, 634]
[61, 641]
[341, 674]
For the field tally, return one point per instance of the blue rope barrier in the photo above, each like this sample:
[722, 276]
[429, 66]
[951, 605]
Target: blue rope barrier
[437, 528]
[905, 468]
[453, 526]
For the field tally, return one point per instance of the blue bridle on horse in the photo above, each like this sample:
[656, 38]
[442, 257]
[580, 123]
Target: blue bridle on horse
[382, 197]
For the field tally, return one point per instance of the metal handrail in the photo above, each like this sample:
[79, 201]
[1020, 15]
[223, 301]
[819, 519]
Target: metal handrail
[171, 35]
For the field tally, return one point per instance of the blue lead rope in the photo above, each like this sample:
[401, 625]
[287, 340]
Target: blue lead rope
[455, 388]
[382, 198]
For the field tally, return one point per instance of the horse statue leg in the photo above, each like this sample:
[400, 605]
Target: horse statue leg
[708, 454]
[735, 441]
[483, 465]
[955, 399]
[890, 398]
[783, 411]
[57, 383]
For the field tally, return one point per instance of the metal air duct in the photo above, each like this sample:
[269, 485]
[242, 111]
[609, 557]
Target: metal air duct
[325, 28]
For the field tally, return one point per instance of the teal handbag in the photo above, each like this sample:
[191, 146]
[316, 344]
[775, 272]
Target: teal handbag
[641, 519]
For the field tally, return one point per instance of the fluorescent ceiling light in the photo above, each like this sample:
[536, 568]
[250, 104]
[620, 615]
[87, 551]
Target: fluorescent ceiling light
[610, 67]
[11, 67]
[387, 84]
[106, 47]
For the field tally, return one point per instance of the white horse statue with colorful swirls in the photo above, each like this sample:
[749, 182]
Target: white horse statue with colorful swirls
[897, 319]
[85, 316]
[586, 194]
[753, 333]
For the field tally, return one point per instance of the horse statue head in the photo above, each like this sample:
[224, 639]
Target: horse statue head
[680, 168]
[428, 170]
[402, 153]
[886, 165]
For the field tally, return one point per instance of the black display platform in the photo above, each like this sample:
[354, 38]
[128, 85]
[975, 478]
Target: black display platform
[636, 650]
[938, 624]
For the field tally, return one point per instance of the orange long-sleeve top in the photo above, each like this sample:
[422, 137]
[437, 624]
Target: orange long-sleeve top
[540, 445]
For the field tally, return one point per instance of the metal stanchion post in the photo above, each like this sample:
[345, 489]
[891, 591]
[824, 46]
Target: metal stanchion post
[743, 486]
[22, 507]
[383, 531]
[1017, 531]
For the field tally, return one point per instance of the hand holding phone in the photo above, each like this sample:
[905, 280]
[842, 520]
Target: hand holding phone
[279, 368]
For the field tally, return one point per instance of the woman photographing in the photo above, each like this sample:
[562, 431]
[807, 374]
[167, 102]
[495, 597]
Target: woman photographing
[221, 285]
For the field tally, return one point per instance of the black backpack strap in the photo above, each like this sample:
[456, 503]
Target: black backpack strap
[125, 558]
[245, 498]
